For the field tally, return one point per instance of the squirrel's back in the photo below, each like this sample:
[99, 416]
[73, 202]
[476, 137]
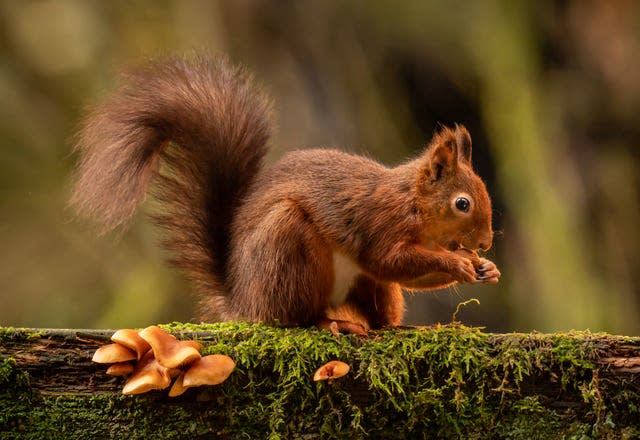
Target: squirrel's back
[338, 191]
[197, 126]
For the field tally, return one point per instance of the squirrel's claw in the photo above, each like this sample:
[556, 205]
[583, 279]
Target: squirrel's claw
[487, 272]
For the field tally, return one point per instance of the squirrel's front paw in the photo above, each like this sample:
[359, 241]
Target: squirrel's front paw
[487, 272]
[462, 270]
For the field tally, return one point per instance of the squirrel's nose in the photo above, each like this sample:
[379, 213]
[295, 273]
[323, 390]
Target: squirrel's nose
[485, 242]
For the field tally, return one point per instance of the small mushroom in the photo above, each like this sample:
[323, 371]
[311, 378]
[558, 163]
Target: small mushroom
[120, 369]
[113, 353]
[148, 375]
[169, 352]
[130, 339]
[331, 370]
[209, 370]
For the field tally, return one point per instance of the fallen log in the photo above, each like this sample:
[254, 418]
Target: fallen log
[437, 382]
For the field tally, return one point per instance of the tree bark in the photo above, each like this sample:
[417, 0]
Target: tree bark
[427, 382]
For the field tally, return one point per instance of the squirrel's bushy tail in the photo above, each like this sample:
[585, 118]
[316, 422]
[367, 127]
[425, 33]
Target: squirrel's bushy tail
[199, 128]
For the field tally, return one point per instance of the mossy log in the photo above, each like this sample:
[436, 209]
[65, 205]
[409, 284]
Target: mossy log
[437, 382]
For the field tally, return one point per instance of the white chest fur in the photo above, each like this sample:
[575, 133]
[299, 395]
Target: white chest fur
[345, 271]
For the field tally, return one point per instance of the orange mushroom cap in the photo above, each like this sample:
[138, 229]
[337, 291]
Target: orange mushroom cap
[169, 352]
[209, 370]
[130, 339]
[113, 353]
[148, 375]
[120, 369]
[194, 344]
[331, 370]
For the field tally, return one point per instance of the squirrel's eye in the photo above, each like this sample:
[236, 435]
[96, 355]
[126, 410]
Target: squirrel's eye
[462, 204]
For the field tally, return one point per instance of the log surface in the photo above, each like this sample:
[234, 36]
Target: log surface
[433, 382]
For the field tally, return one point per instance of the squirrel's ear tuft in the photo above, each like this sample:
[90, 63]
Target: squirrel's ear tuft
[442, 154]
[463, 143]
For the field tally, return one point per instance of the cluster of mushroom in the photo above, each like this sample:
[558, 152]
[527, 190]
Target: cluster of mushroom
[152, 358]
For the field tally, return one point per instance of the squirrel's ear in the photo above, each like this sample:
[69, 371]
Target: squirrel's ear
[463, 143]
[442, 154]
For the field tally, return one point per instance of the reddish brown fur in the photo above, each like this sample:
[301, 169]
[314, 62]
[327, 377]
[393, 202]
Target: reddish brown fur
[259, 242]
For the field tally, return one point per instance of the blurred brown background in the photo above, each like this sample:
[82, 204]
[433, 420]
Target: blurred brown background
[550, 91]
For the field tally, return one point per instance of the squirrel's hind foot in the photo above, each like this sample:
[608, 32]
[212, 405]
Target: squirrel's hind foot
[336, 327]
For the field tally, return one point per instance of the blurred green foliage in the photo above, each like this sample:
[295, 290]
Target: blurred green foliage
[549, 90]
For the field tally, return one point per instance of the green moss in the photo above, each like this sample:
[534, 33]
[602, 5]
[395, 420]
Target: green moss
[15, 396]
[439, 382]
[7, 333]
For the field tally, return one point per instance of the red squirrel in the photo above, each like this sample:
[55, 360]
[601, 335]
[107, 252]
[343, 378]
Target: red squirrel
[321, 237]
